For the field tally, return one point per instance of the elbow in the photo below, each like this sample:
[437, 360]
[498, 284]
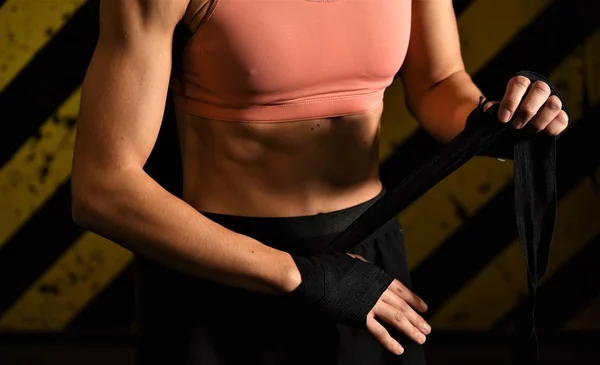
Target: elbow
[82, 206]
[88, 200]
[98, 199]
[79, 216]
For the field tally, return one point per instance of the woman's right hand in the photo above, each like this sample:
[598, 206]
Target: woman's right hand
[398, 307]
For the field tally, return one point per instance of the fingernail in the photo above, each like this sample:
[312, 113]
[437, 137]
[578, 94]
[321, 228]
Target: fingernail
[504, 115]
[517, 123]
[424, 306]
[399, 350]
[422, 338]
[427, 328]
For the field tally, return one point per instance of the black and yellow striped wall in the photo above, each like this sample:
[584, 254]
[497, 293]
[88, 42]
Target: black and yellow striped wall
[461, 235]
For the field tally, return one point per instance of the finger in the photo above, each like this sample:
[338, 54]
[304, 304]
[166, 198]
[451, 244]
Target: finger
[414, 318]
[356, 256]
[408, 296]
[383, 336]
[515, 90]
[547, 113]
[396, 318]
[536, 97]
[558, 124]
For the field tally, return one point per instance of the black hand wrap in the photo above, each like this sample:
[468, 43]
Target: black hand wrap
[340, 287]
[503, 147]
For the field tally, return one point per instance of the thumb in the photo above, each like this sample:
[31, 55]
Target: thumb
[489, 104]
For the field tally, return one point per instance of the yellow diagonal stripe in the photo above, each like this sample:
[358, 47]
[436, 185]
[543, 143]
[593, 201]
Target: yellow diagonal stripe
[502, 284]
[586, 320]
[84, 270]
[485, 28]
[25, 27]
[433, 218]
[36, 170]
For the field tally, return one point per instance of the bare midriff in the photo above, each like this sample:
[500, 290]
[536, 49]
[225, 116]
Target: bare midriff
[247, 103]
[280, 169]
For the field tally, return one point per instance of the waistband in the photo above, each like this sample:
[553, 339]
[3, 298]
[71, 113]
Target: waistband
[301, 234]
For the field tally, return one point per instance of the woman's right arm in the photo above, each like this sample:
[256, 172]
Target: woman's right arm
[122, 106]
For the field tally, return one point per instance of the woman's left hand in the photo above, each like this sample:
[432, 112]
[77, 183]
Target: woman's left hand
[531, 104]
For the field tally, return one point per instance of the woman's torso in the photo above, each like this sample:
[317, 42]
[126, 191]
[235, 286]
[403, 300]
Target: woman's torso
[292, 167]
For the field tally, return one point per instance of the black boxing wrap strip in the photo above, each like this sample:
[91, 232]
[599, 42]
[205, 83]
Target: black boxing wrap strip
[340, 287]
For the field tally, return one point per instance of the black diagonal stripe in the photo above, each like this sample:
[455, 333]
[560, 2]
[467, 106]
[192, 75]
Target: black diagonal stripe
[48, 80]
[564, 294]
[484, 235]
[36, 245]
[113, 309]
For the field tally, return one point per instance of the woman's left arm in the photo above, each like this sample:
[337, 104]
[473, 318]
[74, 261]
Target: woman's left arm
[440, 94]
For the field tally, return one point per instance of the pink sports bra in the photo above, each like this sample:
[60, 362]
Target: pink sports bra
[285, 60]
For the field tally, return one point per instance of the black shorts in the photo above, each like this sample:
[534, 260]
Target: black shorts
[184, 320]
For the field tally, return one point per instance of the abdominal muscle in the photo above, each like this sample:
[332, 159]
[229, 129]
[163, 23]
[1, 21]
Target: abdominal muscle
[280, 169]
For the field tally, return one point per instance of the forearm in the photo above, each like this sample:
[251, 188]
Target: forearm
[137, 213]
[442, 110]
